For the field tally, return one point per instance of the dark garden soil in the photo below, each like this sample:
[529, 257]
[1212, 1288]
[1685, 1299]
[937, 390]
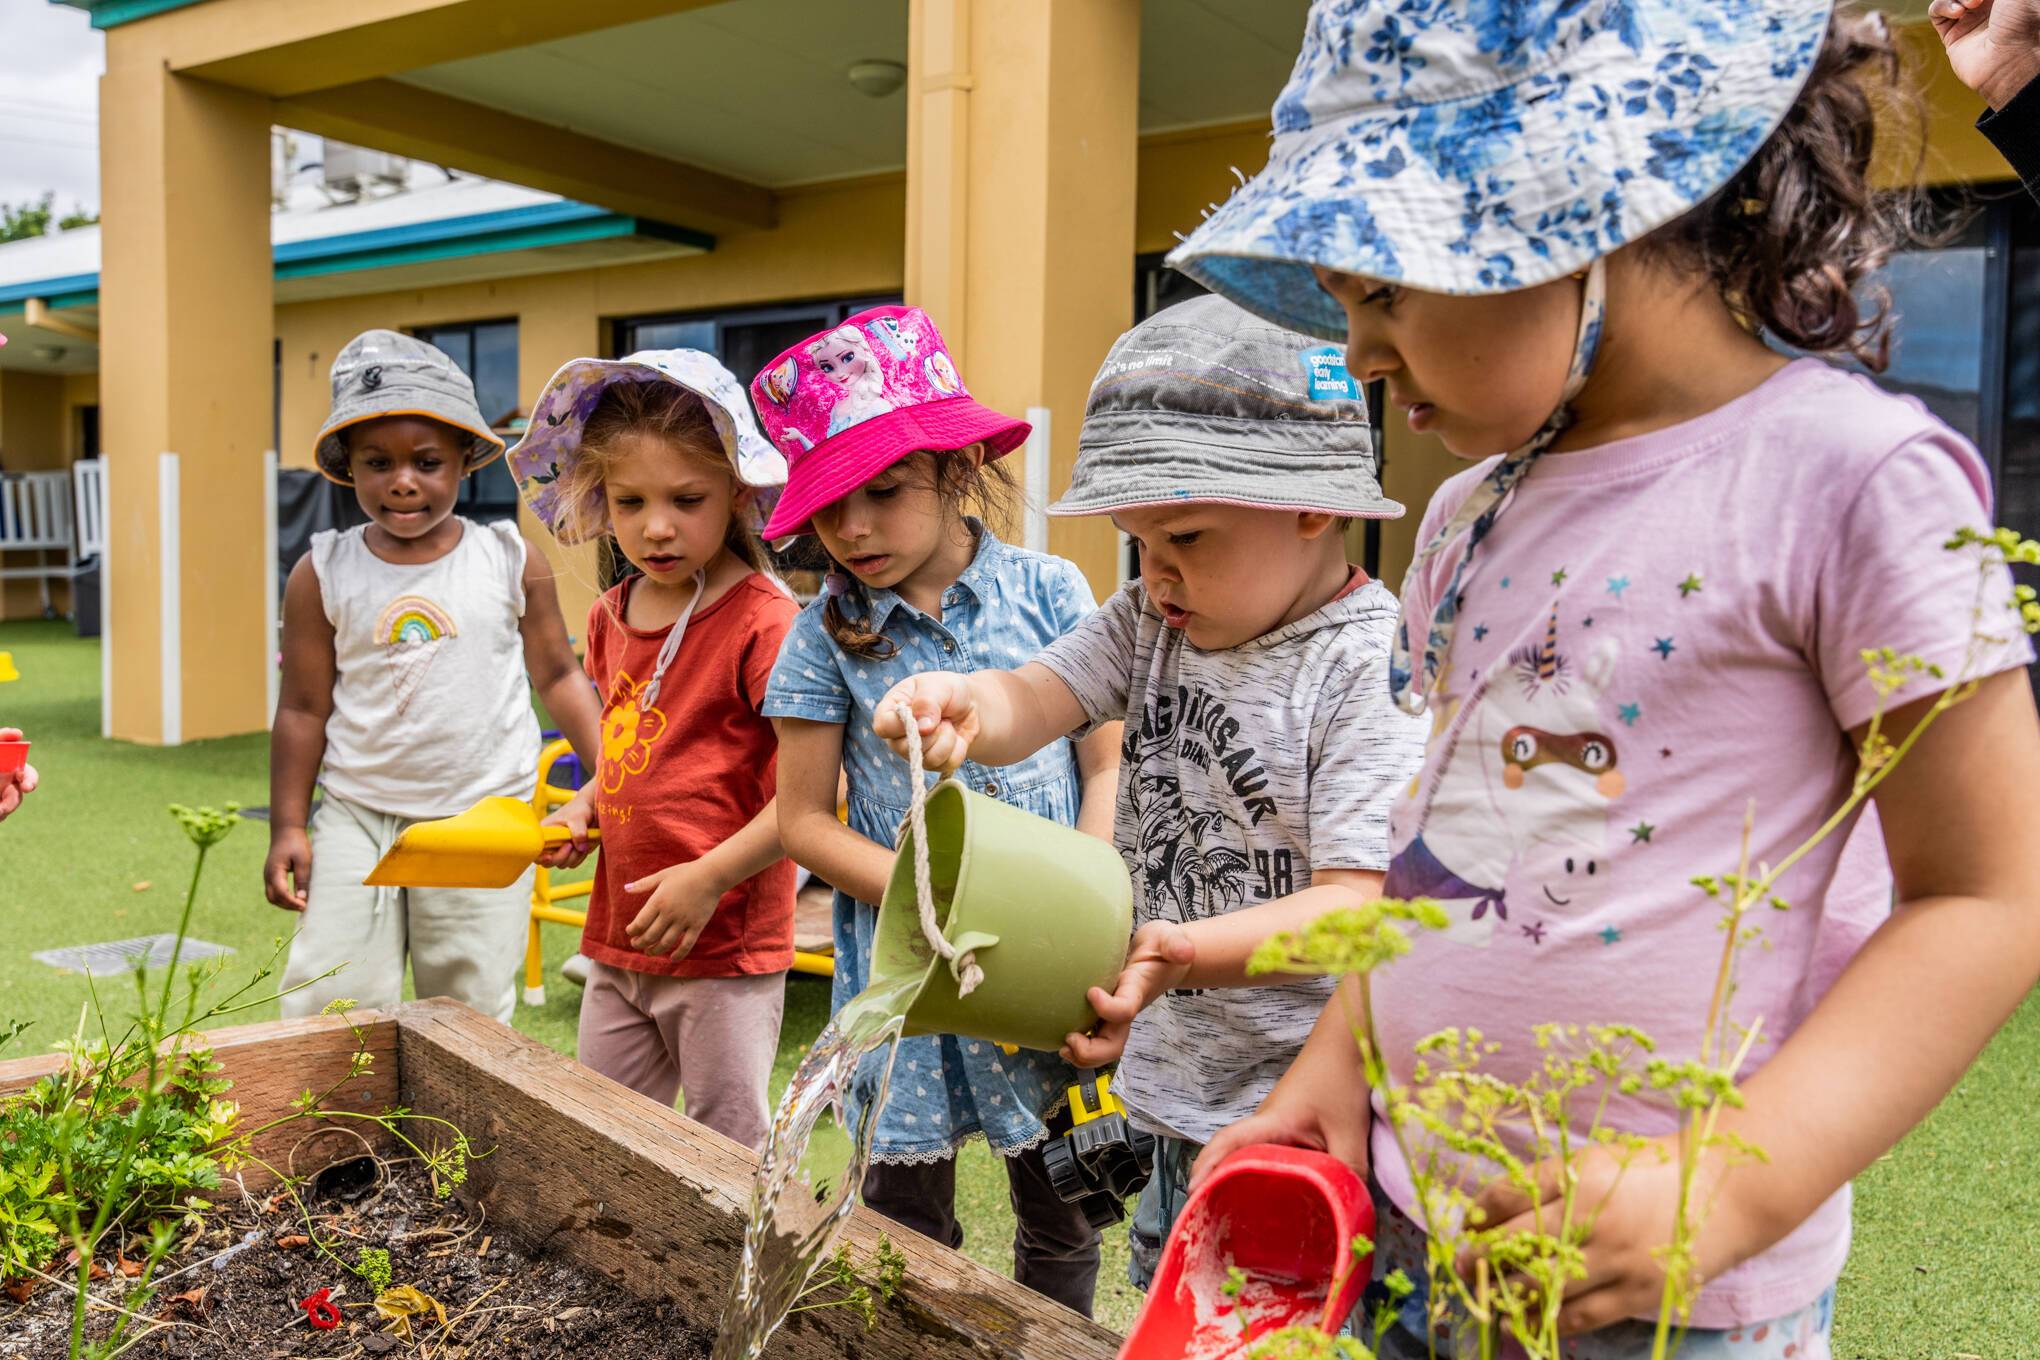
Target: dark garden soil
[235, 1291]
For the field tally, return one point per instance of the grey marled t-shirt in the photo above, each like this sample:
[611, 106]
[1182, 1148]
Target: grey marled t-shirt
[1243, 772]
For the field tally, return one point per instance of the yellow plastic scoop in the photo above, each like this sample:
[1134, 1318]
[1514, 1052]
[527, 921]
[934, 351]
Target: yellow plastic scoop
[487, 846]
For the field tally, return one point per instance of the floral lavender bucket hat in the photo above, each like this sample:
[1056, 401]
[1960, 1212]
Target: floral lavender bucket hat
[1481, 146]
[553, 439]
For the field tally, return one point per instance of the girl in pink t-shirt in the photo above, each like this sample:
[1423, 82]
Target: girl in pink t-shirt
[1568, 239]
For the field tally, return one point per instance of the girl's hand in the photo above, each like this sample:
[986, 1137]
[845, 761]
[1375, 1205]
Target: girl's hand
[1336, 1120]
[15, 785]
[1993, 45]
[1161, 955]
[1631, 1209]
[287, 873]
[683, 897]
[945, 711]
[577, 814]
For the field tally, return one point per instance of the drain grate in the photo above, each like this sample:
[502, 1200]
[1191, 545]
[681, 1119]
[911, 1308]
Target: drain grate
[120, 956]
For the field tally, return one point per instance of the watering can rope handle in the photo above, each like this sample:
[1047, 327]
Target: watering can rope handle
[963, 963]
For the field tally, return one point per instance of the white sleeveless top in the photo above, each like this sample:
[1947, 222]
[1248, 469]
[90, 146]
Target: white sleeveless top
[432, 704]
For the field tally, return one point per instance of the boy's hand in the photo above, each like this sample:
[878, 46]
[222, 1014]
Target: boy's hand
[577, 814]
[944, 709]
[1631, 1211]
[287, 874]
[1161, 955]
[14, 785]
[683, 898]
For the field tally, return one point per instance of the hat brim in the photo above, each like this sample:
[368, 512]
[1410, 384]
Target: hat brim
[484, 447]
[1138, 474]
[1509, 188]
[839, 465]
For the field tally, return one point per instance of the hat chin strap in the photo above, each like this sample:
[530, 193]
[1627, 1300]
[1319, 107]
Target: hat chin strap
[671, 645]
[1412, 677]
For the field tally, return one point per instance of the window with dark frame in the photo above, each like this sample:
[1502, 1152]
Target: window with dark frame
[487, 352]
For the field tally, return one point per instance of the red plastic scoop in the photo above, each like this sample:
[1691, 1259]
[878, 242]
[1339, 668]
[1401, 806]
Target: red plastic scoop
[1285, 1219]
[13, 756]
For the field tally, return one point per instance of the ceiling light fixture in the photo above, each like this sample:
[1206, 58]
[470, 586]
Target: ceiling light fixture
[877, 78]
[49, 354]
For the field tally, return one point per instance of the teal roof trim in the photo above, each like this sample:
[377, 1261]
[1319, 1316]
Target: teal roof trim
[541, 224]
[114, 13]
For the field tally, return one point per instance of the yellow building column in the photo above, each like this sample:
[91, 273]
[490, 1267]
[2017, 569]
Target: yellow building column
[186, 316]
[558, 321]
[1022, 147]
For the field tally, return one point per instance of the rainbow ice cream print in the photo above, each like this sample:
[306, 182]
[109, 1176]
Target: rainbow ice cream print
[412, 629]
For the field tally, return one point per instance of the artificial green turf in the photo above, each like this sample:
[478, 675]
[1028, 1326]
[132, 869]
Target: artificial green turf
[1947, 1225]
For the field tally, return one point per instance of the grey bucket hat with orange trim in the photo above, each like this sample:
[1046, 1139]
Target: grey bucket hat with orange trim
[385, 373]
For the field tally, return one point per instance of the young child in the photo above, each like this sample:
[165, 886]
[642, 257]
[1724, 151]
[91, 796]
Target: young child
[406, 647]
[1652, 611]
[1250, 661]
[690, 922]
[918, 583]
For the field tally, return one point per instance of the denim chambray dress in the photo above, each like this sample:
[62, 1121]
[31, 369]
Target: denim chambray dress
[1006, 606]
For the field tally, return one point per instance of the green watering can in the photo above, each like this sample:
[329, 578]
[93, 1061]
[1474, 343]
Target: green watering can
[1044, 911]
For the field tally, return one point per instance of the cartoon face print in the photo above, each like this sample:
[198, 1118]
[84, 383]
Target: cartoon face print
[898, 342]
[780, 380]
[942, 374]
[843, 356]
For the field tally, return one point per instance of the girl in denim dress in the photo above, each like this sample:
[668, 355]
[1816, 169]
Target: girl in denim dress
[919, 585]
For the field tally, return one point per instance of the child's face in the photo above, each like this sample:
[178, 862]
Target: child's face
[670, 509]
[406, 472]
[1481, 373]
[890, 527]
[1226, 574]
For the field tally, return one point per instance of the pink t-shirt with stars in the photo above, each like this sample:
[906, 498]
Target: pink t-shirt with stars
[1656, 632]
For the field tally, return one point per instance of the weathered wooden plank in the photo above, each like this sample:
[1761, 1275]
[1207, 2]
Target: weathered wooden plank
[624, 1186]
[270, 1064]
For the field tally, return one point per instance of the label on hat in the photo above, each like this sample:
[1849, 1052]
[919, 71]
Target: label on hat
[1324, 373]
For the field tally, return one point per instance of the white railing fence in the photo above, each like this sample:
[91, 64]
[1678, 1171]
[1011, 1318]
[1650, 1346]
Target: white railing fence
[35, 518]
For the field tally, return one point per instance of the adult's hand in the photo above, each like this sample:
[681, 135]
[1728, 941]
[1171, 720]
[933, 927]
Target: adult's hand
[1993, 45]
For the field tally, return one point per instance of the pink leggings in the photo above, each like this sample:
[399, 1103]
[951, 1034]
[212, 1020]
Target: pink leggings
[714, 1037]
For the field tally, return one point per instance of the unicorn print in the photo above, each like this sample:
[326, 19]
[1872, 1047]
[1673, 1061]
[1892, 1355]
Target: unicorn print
[1529, 767]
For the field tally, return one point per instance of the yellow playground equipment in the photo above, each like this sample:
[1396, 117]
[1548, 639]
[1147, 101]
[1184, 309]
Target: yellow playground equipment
[547, 896]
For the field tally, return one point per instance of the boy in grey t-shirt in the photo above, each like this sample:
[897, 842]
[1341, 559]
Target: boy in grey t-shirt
[1250, 662]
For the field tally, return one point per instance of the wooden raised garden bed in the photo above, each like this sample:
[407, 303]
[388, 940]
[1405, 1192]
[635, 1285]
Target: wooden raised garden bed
[585, 1171]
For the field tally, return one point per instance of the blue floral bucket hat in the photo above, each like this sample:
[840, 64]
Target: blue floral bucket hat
[1481, 146]
[552, 441]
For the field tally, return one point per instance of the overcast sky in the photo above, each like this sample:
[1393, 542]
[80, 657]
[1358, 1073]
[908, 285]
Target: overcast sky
[50, 61]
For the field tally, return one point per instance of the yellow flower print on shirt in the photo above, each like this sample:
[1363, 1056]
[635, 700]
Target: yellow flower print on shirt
[628, 731]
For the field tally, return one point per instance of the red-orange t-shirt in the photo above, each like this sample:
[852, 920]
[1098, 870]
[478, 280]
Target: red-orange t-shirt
[678, 779]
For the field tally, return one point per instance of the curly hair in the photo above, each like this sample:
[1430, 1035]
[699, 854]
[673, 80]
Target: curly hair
[1792, 238]
[963, 484]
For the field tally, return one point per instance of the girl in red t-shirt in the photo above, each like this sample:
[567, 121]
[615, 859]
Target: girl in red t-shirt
[690, 922]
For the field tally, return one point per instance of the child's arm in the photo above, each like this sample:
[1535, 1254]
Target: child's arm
[15, 786]
[298, 741]
[684, 896]
[1895, 1033]
[1098, 777]
[810, 763]
[549, 659]
[1212, 952]
[999, 717]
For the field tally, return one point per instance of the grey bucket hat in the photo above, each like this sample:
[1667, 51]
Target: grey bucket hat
[384, 373]
[1205, 402]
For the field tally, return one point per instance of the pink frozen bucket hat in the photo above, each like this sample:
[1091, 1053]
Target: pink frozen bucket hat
[845, 405]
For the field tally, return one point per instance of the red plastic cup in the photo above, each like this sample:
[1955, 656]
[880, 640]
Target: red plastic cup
[1286, 1217]
[13, 756]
